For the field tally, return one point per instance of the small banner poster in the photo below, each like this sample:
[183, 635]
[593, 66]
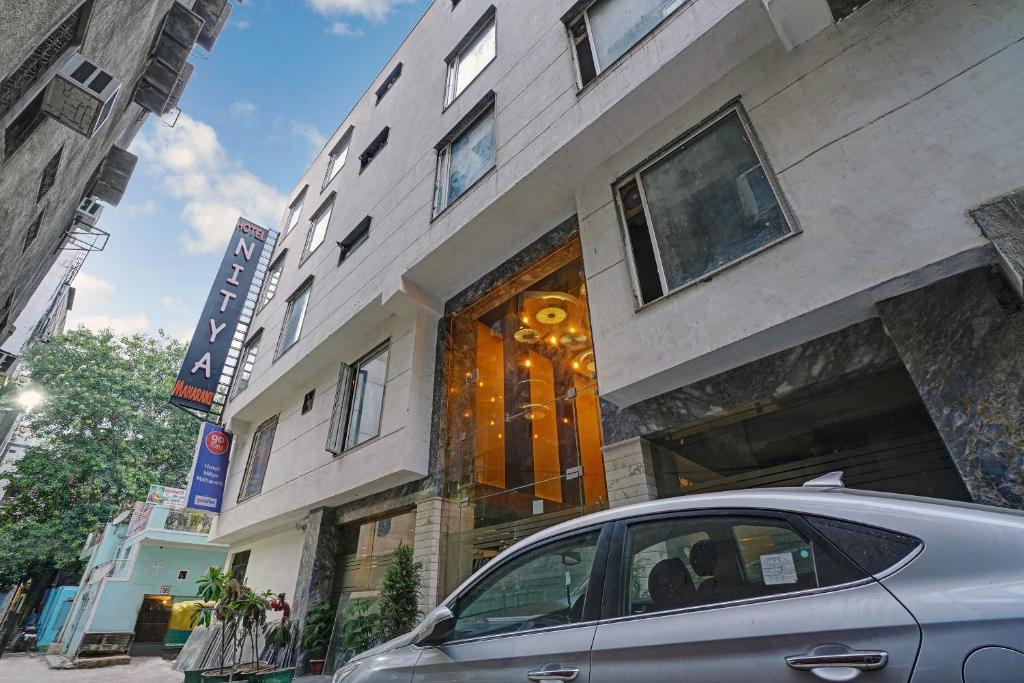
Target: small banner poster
[200, 372]
[206, 486]
[166, 496]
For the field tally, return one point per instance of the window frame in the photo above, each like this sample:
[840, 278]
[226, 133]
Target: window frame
[388, 84]
[295, 212]
[344, 393]
[633, 175]
[266, 424]
[255, 339]
[32, 232]
[326, 206]
[603, 561]
[582, 10]
[276, 265]
[306, 286]
[442, 167]
[343, 144]
[356, 238]
[488, 19]
[373, 150]
[617, 586]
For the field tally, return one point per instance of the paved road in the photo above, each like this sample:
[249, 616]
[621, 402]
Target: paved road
[33, 669]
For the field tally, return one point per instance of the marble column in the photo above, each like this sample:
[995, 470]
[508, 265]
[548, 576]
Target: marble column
[629, 472]
[430, 519]
[316, 567]
[962, 340]
[1002, 221]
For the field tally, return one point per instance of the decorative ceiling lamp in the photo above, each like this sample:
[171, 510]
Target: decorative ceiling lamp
[527, 335]
[552, 315]
[584, 363]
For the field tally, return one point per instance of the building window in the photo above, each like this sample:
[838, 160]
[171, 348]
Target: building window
[388, 83]
[336, 159]
[318, 226]
[469, 58]
[259, 457]
[371, 152]
[465, 156]
[293, 316]
[23, 126]
[239, 565]
[32, 232]
[65, 36]
[49, 175]
[354, 239]
[607, 29]
[307, 401]
[248, 360]
[294, 212]
[522, 417]
[272, 279]
[844, 8]
[705, 204]
[182, 574]
[5, 310]
[359, 401]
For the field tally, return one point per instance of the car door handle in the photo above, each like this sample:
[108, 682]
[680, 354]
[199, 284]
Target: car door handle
[863, 661]
[554, 672]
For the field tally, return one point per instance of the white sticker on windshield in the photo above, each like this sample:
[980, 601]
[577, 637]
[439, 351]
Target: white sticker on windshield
[778, 569]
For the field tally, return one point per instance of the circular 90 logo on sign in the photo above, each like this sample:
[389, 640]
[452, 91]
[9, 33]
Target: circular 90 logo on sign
[217, 443]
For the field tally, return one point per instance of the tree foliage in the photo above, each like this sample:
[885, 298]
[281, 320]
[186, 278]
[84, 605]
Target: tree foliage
[104, 433]
[399, 595]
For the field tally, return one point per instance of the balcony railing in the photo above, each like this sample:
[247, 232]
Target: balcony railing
[190, 521]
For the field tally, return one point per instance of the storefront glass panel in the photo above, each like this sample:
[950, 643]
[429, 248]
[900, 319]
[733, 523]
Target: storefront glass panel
[522, 435]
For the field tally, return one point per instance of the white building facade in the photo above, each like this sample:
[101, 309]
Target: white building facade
[566, 255]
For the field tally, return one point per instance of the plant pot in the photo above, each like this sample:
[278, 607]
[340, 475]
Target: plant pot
[273, 676]
[315, 666]
[196, 676]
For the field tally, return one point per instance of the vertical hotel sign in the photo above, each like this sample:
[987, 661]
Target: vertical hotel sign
[196, 386]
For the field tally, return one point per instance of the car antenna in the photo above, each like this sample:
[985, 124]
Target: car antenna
[827, 481]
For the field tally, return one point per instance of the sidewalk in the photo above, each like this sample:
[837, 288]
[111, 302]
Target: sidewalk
[24, 667]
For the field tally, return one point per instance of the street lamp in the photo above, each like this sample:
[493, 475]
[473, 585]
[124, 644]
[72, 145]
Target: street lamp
[30, 399]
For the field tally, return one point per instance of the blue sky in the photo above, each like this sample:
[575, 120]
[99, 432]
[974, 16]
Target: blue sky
[280, 79]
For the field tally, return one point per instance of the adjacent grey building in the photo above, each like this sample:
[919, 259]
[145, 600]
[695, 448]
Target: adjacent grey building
[78, 78]
[568, 255]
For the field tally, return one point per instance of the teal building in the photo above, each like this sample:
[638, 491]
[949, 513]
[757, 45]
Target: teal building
[144, 563]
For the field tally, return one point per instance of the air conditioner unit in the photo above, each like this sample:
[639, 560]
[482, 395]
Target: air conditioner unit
[88, 213]
[81, 95]
[113, 175]
[215, 16]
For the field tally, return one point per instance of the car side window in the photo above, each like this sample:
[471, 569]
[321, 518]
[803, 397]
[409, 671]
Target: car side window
[692, 561]
[542, 587]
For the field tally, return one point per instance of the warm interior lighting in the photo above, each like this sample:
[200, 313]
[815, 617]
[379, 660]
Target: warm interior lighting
[528, 362]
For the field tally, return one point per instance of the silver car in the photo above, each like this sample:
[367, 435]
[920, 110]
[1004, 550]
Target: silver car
[802, 584]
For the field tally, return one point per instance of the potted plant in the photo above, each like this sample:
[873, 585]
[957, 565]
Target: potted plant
[399, 596]
[228, 612]
[358, 630]
[316, 634]
[210, 590]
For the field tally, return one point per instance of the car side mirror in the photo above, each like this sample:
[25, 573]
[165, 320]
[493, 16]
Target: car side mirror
[436, 627]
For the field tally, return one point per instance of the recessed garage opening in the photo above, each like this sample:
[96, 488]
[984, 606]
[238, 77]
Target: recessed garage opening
[875, 429]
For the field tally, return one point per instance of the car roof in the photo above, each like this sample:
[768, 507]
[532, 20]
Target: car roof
[869, 507]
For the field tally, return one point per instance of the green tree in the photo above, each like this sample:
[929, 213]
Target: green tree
[103, 434]
[399, 595]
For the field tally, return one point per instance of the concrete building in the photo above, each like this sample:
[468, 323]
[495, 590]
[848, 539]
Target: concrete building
[137, 568]
[78, 78]
[564, 255]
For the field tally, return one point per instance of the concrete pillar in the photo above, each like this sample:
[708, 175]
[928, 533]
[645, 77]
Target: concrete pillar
[427, 549]
[316, 567]
[962, 340]
[629, 472]
[1002, 221]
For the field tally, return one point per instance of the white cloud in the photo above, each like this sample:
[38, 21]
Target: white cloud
[88, 287]
[244, 111]
[146, 208]
[215, 189]
[311, 134]
[377, 10]
[241, 24]
[342, 28]
[173, 303]
[125, 325]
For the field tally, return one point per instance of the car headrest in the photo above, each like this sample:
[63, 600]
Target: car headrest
[704, 557]
[669, 584]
